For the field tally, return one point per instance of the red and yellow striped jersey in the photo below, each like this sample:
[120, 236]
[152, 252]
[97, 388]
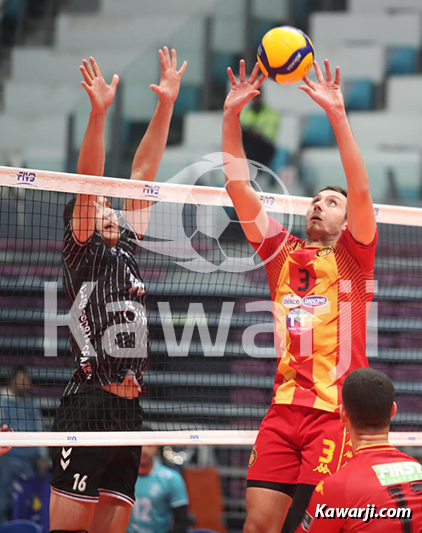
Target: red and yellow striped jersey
[321, 298]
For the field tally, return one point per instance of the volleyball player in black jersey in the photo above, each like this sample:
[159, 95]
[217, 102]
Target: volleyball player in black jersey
[93, 487]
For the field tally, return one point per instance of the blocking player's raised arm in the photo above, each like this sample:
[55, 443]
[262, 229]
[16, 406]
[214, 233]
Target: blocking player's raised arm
[360, 212]
[245, 199]
[92, 154]
[151, 149]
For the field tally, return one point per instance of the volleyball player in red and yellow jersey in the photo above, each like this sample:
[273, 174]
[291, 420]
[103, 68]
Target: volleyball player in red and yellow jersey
[321, 288]
[379, 480]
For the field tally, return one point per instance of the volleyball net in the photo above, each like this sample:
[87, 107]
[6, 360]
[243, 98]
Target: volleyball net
[212, 361]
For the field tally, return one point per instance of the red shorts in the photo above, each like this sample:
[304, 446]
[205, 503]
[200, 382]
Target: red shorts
[299, 445]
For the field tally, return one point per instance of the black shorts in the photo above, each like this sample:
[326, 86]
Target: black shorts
[84, 472]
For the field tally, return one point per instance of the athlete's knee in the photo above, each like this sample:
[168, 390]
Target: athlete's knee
[250, 527]
[256, 525]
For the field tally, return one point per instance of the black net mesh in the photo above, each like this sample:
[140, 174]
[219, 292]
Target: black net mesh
[191, 382]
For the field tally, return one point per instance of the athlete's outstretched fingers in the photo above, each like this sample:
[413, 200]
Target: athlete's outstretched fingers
[183, 68]
[115, 81]
[309, 83]
[167, 57]
[337, 78]
[242, 71]
[88, 68]
[88, 80]
[328, 75]
[254, 73]
[162, 61]
[306, 89]
[259, 81]
[318, 72]
[231, 76]
[95, 67]
[173, 58]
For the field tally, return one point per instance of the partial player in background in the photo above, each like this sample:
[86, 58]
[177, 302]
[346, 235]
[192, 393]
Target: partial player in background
[260, 126]
[321, 289]
[4, 449]
[21, 411]
[93, 487]
[379, 475]
[162, 501]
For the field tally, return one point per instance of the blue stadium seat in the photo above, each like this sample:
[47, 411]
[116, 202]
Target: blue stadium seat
[361, 95]
[408, 193]
[20, 526]
[317, 132]
[189, 99]
[402, 61]
[280, 159]
[220, 62]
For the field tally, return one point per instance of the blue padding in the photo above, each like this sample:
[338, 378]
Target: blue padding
[20, 526]
[318, 132]
[402, 60]
[408, 193]
[301, 8]
[220, 62]
[280, 160]
[189, 99]
[361, 95]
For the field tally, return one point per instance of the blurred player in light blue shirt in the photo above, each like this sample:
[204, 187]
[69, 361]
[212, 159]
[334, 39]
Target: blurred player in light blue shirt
[161, 499]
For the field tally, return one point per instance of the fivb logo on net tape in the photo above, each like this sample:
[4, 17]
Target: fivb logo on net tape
[167, 234]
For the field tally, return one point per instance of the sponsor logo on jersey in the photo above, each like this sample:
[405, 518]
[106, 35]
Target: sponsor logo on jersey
[315, 301]
[299, 321]
[322, 469]
[291, 300]
[401, 472]
[323, 252]
[252, 458]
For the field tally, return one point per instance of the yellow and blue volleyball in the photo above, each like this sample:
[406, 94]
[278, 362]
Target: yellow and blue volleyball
[285, 54]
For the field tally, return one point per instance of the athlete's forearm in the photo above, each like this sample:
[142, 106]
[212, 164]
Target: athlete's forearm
[91, 161]
[351, 157]
[360, 211]
[92, 154]
[232, 147]
[151, 149]
[247, 204]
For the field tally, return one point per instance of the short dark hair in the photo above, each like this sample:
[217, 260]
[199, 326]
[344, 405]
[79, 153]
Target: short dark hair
[15, 371]
[68, 212]
[368, 397]
[335, 188]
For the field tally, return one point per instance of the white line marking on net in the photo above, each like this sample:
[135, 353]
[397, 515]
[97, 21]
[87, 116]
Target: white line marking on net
[159, 438]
